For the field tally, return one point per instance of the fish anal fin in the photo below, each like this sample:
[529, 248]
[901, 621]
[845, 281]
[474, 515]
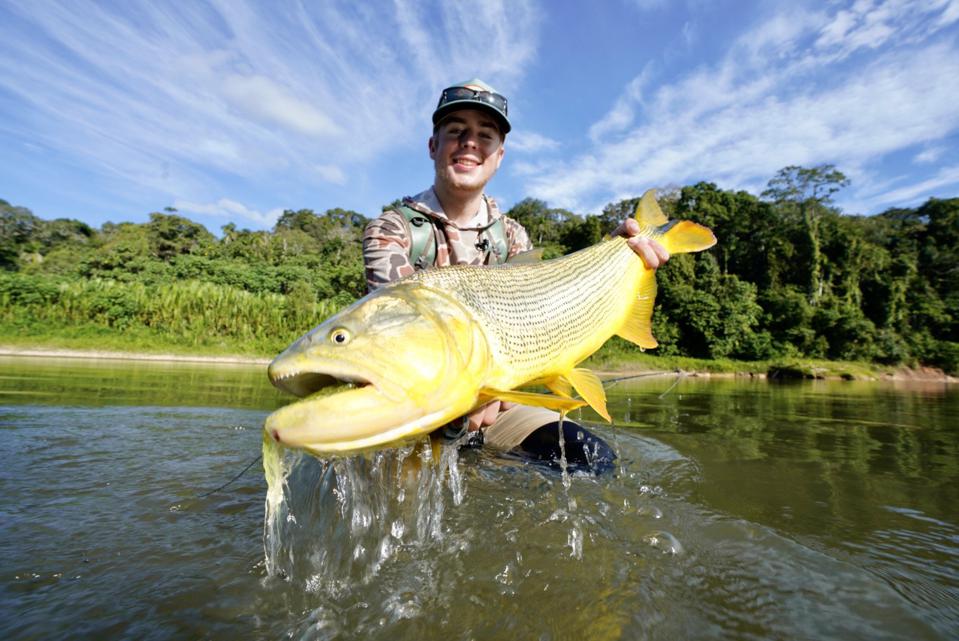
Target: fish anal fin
[648, 212]
[548, 401]
[590, 388]
[638, 327]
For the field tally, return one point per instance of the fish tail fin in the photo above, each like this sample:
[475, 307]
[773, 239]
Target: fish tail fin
[677, 237]
[686, 237]
[638, 326]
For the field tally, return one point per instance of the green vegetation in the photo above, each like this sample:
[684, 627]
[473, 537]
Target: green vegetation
[792, 280]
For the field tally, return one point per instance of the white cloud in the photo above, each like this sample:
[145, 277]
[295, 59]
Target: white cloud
[772, 101]
[530, 142]
[913, 192]
[230, 209]
[260, 97]
[193, 98]
[930, 155]
[621, 115]
[950, 14]
[331, 174]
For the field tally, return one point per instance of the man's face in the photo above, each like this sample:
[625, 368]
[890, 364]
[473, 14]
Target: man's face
[466, 149]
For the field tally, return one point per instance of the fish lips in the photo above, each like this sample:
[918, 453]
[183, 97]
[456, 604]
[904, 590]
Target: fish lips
[300, 379]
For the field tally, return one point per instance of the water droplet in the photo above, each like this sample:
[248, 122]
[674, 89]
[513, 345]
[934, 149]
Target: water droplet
[649, 510]
[664, 542]
[575, 541]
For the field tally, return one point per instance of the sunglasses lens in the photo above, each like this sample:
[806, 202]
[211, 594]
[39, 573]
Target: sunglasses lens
[463, 93]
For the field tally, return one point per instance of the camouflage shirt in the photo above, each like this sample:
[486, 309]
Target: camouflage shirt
[386, 241]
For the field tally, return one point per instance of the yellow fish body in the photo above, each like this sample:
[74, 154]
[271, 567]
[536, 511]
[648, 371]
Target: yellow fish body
[427, 349]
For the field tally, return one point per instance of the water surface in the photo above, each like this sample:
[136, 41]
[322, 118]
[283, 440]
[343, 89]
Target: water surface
[738, 509]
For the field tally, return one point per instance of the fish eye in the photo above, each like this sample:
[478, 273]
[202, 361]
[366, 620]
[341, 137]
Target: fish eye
[340, 336]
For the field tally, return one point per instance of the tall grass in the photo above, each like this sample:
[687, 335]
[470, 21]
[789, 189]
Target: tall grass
[190, 312]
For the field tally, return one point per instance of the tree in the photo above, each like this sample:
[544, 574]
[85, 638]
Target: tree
[170, 235]
[17, 227]
[810, 190]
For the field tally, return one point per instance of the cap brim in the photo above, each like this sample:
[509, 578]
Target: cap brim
[457, 105]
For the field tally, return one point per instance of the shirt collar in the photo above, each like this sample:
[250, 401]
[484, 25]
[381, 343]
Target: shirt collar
[482, 219]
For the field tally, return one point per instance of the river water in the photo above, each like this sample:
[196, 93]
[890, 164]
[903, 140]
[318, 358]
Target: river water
[738, 509]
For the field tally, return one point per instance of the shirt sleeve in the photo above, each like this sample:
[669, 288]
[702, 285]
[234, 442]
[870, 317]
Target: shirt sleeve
[386, 250]
[516, 237]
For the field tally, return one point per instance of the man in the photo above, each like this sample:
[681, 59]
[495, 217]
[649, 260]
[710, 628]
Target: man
[454, 222]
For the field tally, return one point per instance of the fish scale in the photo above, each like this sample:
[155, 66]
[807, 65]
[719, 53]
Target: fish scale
[540, 314]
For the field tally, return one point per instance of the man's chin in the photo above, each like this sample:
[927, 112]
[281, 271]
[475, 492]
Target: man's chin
[464, 183]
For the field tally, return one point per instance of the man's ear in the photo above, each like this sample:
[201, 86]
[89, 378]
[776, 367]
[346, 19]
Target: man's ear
[499, 153]
[432, 145]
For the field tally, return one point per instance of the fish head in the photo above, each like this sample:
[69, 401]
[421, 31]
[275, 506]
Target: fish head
[396, 364]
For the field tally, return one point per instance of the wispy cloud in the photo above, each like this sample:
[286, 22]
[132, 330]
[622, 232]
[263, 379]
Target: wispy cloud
[229, 209]
[930, 155]
[179, 99]
[945, 177]
[784, 93]
[530, 142]
[620, 117]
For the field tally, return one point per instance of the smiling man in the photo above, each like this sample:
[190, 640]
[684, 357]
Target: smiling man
[455, 223]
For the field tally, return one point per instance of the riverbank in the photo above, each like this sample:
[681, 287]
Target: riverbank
[52, 352]
[609, 368]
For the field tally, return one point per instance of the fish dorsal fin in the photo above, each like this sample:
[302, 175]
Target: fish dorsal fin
[548, 401]
[638, 327]
[648, 212]
[588, 386]
[686, 236]
[531, 256]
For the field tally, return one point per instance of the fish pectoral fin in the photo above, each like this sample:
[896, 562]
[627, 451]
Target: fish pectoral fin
[638, 326]
[526, 257]
[588, 386]
[548, 401]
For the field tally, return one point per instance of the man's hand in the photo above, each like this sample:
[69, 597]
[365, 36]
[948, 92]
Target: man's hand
[652, 253]
[486, 415]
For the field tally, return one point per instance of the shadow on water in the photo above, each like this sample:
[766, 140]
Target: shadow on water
[737, 510]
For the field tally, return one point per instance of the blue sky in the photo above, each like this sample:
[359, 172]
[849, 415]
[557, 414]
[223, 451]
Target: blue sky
[233, 111]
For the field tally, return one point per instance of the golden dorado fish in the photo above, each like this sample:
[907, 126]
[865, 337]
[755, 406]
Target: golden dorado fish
[431, 347]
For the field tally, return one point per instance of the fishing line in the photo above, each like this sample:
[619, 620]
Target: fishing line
[612, 381]
[242, 472]
[679, 375]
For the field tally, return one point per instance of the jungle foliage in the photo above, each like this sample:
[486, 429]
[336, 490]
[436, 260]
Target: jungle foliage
[791, 276]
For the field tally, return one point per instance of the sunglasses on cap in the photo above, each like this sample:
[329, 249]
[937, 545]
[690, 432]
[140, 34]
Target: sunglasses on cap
[456, 94]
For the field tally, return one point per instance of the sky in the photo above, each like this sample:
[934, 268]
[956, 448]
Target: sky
[232, 111]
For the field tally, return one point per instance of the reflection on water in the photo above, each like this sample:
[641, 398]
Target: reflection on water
[738, 509]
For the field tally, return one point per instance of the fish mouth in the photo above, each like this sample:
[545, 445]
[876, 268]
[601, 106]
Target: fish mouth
[341, 411]
[308, 383]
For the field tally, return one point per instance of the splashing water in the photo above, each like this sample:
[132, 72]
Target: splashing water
[380, 503]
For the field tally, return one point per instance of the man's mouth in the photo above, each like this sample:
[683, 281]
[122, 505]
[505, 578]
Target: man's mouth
[468, 163]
